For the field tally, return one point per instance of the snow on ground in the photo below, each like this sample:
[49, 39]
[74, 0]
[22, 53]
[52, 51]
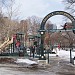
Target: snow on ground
[64, 54]
[61, 53]
[27, 61]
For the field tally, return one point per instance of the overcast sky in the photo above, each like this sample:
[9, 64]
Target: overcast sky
[40, 8]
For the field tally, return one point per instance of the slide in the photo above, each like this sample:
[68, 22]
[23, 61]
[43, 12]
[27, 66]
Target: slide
[6, 43]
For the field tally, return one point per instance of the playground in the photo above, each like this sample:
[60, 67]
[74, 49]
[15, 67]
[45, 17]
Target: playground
[30, 54]
[16, 44]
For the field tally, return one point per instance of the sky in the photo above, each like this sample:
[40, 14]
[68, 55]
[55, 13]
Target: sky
[40, 8]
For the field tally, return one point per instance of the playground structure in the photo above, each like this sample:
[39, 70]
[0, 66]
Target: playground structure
[6, 43]
[9, 46]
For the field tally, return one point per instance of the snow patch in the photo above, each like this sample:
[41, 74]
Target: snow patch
[27, 61]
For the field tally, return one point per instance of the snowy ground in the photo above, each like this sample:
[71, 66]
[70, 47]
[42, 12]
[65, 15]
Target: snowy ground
[58, 66]
[61, 53]
[66, 54]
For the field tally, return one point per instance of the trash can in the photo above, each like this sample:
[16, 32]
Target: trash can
[21, 54]
[74, 60]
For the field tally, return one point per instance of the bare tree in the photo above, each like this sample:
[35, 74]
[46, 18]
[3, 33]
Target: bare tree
[70, 5]
[33, 25]
[11, 13]
[24, 29]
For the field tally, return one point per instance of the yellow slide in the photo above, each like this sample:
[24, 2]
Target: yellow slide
[6, 43]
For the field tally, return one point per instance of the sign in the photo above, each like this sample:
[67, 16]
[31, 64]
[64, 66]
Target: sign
[56, 13]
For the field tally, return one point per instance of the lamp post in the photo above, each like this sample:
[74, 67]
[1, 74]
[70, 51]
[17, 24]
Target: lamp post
[42, 57]
[71, 48]
[31, 39]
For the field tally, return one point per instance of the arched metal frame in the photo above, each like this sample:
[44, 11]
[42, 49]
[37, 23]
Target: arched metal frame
[42, 27]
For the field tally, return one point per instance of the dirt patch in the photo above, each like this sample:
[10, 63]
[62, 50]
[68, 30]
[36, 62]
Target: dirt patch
[65, 73]
[7, 60]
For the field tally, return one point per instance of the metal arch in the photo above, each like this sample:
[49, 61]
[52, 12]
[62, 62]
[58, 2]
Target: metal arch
[56, 13]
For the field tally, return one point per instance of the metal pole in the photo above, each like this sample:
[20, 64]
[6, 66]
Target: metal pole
[48, 56]
[13, 45]
[70, 56]
[30, 52]
[42, 48]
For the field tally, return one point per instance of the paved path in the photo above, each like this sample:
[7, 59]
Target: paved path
[57, 66]
[10, 71]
